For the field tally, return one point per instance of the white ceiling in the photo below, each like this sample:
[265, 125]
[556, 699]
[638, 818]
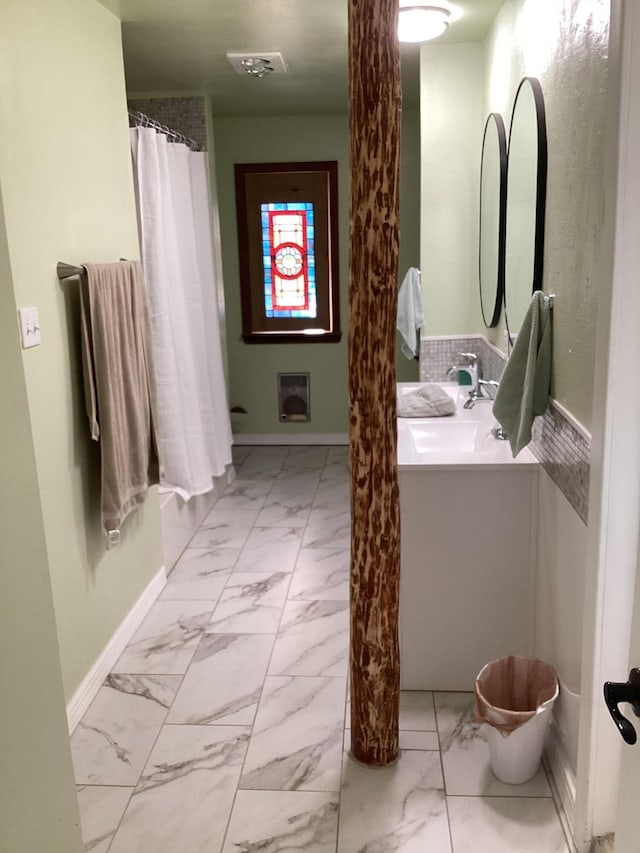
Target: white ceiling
[176, 47]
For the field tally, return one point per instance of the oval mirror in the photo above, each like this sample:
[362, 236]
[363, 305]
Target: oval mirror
[493, 191]
[526, 200]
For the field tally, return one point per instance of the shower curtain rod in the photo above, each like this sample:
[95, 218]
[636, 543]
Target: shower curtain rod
[143, 120]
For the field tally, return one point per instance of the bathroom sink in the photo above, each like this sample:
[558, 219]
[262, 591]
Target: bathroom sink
[461, 440]
[429, 435]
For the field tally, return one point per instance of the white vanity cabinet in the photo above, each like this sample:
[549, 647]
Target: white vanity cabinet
[466, 577]
[467, 516]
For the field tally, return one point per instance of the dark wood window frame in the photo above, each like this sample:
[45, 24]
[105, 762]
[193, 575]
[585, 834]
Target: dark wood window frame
[258, 183]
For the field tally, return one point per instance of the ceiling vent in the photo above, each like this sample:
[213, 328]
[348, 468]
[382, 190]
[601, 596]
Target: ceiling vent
[258, 64]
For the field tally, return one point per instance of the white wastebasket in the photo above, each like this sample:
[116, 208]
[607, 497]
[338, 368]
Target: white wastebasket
[515, 696]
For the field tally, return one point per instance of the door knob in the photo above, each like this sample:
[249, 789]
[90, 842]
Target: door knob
[628, 691]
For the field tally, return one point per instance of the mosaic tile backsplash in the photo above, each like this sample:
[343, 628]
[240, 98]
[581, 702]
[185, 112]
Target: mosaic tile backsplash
[437, 355]
[565, 454]
[562, 450]
[186, 115]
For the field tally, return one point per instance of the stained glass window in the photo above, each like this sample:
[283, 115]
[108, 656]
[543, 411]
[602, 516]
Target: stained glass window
[288, 259]
[288, 251]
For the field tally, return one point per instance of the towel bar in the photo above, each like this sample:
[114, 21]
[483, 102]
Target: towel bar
[67, 270]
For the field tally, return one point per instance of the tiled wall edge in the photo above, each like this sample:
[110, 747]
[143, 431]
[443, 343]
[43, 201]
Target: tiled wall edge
[575, 423]
[473, 335]
[560, 442]
[185, 114]
[565, 454]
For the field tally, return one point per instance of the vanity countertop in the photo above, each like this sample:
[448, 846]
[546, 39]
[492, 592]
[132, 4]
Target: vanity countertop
[459, 441]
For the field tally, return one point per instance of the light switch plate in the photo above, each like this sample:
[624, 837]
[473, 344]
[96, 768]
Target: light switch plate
[29, 327]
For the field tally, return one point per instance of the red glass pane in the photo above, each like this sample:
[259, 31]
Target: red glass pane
[288, 238]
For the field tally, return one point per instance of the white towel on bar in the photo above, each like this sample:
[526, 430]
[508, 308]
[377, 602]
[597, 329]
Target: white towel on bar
[410, 317]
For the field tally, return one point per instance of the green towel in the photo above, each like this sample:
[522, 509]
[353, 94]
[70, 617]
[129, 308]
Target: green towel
[524, 388]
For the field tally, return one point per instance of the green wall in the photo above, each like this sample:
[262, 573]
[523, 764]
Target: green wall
[65, 169]
[451, 140]
[253, 369]
[37, 790]
[407, 370]
[460, 84]
[567, 50]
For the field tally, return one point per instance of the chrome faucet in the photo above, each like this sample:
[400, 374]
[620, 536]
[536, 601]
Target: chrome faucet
[482, 393]
[490, 386]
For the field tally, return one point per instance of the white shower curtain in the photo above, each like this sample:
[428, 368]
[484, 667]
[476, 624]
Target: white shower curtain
[182, 277]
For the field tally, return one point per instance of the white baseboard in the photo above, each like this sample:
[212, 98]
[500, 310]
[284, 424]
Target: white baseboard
[563, 780]
[291, 438]
[93, 680]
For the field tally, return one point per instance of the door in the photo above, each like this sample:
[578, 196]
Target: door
[626, 835]
[625, 301]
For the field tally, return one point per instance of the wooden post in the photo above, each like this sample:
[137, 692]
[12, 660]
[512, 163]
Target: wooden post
[374, 123]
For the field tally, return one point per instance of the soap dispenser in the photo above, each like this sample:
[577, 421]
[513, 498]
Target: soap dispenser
[467, 370]
[468, 376]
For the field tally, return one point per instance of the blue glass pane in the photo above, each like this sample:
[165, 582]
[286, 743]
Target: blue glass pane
[270, 311]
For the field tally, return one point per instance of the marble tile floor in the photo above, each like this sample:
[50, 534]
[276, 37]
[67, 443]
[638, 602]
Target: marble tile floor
[224, 726]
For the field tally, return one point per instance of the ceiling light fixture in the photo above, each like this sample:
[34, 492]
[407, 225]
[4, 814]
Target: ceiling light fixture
[418, 22]
[258, 64]
[257, 67]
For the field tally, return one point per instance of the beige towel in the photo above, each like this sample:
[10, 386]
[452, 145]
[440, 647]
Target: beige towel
[119, 386]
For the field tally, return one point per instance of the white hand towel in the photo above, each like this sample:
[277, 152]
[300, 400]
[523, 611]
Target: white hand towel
[410, 317]
[429, 401]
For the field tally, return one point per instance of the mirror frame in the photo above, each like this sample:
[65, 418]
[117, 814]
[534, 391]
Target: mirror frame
[541, 189]
[492, 322]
